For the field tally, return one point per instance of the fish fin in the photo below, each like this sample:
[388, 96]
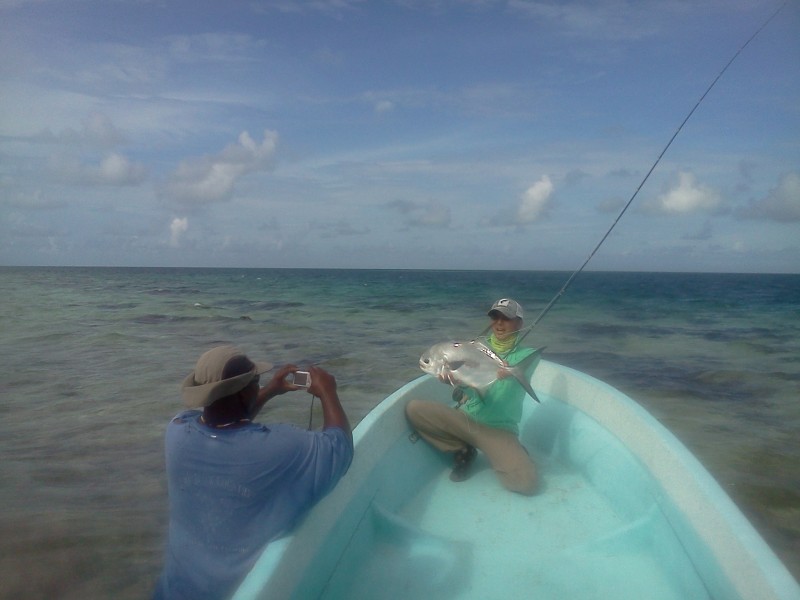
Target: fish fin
[520, 370]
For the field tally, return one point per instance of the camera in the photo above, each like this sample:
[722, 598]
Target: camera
[299, 378]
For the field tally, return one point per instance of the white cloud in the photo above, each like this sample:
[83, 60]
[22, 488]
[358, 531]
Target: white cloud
[384, 106]
[611, 205]
[781, 204]
[343, 228]
[620, 19]
[535, 200]
[211, 179]
[433, 215]
[686, 196]
[177, 228]
[114, 169]
[97, 130]
[334, 7]
[704, 233]
[32, 199]
[204, 47]
[422, 214]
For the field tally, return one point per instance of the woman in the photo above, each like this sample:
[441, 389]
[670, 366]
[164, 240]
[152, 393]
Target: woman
[489, 423]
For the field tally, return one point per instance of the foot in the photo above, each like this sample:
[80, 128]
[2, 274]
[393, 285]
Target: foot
[461, 462]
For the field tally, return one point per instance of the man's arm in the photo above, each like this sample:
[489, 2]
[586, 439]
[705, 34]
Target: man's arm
[323, 386]
[275, 387]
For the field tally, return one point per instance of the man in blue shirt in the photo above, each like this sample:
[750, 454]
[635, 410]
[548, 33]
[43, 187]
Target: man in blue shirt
[235, 485]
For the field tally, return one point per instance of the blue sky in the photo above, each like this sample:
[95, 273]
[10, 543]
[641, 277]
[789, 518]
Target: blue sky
[475, 134]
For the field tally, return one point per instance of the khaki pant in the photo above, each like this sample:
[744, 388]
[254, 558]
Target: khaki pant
[450, 430]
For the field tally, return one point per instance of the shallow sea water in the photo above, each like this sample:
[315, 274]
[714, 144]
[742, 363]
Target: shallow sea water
[91, 361]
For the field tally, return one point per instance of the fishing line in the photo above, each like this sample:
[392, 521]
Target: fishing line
[563, 289]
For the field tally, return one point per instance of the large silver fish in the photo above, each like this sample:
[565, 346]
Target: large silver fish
[474, 364]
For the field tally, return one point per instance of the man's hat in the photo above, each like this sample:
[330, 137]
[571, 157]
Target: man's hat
[205, 385]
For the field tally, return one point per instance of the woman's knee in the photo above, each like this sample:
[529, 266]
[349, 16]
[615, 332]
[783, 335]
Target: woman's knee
[413, 408]
[522, 481]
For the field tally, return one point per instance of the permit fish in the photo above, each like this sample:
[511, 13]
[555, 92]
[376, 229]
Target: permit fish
[475, 365]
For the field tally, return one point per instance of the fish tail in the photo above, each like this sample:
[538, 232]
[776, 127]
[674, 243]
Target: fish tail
[520, 370]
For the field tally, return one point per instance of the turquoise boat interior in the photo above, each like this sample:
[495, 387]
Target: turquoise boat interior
[623, 511]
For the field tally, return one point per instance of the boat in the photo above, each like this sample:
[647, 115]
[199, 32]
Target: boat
[625, 511]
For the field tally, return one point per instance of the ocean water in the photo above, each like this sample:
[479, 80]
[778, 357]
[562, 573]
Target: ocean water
[91, 361]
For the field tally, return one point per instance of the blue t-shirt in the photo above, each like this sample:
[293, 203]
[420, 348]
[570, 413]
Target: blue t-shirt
[232, 491]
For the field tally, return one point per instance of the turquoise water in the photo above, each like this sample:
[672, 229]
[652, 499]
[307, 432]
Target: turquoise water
[92, 359]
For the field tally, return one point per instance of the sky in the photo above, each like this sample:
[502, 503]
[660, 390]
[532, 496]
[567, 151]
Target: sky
[406, 134]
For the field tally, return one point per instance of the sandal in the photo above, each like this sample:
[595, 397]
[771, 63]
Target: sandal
[462, 460]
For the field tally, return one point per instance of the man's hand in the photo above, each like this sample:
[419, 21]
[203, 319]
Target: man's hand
[278, 384]
[275, 387]
[323, 386]
[322, 383]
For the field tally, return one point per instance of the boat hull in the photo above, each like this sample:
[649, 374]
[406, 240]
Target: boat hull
[624, 511]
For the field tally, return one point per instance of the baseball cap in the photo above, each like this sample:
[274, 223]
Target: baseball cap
[507, 307]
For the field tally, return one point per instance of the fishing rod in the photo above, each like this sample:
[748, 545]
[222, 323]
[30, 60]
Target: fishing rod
[563, 289]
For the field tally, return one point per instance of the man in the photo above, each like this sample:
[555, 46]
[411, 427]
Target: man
[489, 423]
[235, 485]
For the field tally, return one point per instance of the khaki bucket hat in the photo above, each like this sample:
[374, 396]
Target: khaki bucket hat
[205, 385]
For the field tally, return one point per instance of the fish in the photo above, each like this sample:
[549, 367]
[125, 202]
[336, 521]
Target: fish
[475, 365]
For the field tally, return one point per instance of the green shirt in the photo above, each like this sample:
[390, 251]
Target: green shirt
[501, 406]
